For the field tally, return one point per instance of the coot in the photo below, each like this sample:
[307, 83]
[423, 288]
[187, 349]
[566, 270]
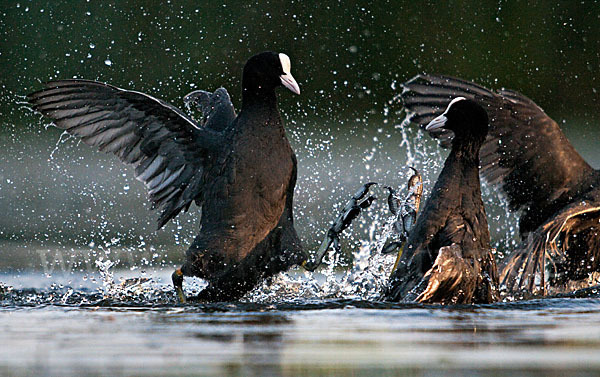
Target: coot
[240, 169]
[447, 258]
[527, 155]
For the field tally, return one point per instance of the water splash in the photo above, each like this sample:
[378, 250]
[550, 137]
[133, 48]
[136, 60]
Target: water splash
[108, 282]
[370, 270]
[138, 289]
[61, 140]
[364, 281]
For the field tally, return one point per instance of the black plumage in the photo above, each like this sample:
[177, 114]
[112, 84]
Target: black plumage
[240, 169]
[447, 257]
[541, 174]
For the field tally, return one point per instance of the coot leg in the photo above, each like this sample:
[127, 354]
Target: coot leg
[350, 211]
[411, 204]
[177, 278]
[406, 213]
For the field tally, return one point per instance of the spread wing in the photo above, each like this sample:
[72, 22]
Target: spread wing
[166, 147]
[525, 153]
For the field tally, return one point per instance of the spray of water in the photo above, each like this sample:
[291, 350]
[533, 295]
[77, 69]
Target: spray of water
[370, 269]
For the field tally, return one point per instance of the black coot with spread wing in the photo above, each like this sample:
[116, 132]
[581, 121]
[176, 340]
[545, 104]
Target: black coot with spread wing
[241, 170]
[530, 159]
[447, 257]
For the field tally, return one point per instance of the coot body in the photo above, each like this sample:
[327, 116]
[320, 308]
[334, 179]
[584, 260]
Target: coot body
[447, 258]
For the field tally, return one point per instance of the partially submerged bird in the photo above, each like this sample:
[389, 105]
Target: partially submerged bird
[447, 258]
[240, 169]
[541, 174]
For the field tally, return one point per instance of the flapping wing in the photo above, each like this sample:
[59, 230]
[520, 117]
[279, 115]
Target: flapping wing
[525, 152]
[166, 147]
[525, 267]
[216, 108]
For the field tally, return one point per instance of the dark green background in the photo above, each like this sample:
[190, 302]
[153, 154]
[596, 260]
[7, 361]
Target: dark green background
[345, 54]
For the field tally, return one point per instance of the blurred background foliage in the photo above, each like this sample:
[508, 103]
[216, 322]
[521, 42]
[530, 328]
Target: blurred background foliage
[348, 56]
[344, 53]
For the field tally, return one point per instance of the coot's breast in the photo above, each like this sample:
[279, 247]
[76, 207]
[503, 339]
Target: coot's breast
[257, 172]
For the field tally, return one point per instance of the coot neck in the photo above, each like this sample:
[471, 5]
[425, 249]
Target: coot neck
[466, 150]
[463, 162]
[258, 99]
[460, 164]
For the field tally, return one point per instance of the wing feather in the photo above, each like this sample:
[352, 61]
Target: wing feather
[523, 145]
[167, 148]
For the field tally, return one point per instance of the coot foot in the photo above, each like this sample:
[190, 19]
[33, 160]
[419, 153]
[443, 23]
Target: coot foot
[350, 211]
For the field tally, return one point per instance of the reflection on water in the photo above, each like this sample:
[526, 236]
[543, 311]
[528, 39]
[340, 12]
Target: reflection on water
[60, 331]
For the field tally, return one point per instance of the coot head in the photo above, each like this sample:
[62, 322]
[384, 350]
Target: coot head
[467, 119]
[268, 70]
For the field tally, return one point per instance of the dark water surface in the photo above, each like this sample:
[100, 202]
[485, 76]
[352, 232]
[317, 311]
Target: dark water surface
[62, 331]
